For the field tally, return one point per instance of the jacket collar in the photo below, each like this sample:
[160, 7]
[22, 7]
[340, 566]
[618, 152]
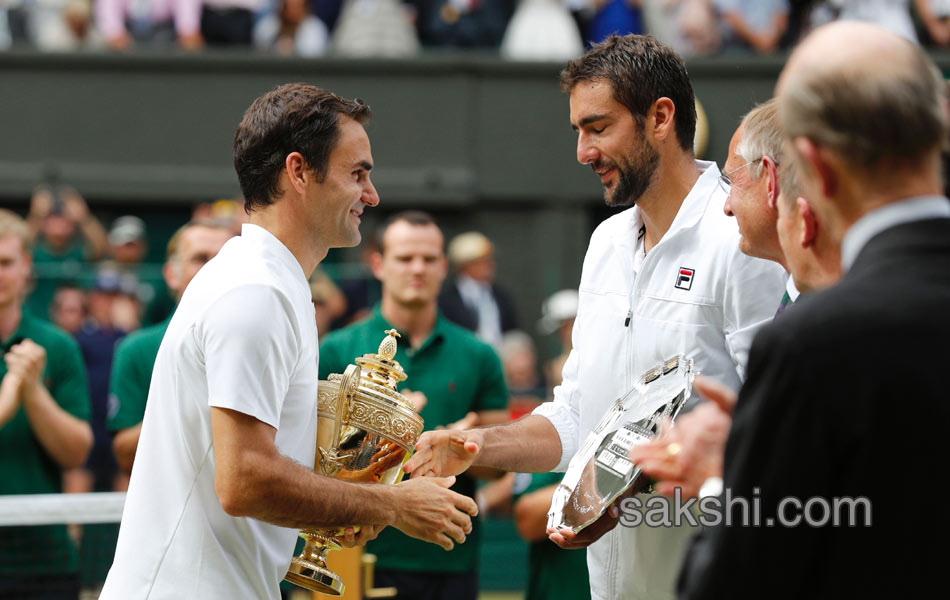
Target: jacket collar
[690, 212]
[886, 217]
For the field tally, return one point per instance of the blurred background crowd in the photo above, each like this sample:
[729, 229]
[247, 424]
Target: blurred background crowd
[519, 29]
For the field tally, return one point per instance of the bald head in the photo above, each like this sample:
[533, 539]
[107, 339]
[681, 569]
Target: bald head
[870, 97]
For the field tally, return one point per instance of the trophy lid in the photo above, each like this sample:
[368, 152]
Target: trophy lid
[380, 367]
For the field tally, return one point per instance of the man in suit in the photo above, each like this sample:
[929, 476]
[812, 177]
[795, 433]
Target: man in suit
[473, 299]
[833, 382]
[752, 175]
[813, 260]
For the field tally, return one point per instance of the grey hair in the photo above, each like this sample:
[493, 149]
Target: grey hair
[870, 118]
[788, 182]
[761, 136]
[515, 341]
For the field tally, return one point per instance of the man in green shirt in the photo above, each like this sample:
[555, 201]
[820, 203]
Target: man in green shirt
[451, 374]
[553, 572]
[194, 244]
[44, 380]
[67, 240]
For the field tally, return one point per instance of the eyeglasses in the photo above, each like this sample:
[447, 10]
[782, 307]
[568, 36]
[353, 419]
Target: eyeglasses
[725, 180]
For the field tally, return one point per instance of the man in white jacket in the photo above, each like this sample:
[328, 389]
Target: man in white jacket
[662, 278]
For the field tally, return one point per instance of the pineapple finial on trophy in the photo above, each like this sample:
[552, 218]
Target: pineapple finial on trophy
[387, 348]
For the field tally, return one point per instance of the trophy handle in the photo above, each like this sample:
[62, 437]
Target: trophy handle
[348, 387]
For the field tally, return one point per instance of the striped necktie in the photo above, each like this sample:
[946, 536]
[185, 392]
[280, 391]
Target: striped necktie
[786, 300]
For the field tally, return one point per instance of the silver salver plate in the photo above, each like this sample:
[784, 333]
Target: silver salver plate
[601, 470]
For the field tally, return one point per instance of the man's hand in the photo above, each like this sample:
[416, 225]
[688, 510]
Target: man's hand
[120, 42]
[358, 536]
[427, 510]
[444, 452]
[191, 42]
[74, 206]
[9, 396]
[418, 399]
[567, 539]
[467, 422]
[26, 360]
[687, 454]
[41, 203]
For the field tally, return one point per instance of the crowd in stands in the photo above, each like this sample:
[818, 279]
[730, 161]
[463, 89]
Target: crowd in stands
[518, 29]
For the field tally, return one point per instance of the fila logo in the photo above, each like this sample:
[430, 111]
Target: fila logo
[684, 280]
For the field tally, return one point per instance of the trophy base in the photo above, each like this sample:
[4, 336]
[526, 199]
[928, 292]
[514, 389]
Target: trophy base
[314, 577]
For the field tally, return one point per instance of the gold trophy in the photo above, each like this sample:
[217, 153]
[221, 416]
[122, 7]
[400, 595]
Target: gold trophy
[366, 431]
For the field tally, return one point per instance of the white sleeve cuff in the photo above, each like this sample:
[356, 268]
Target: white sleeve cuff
[560, 416]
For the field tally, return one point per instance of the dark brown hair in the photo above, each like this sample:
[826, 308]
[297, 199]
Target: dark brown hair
[641, 71]
[295, 117]
[413, 217]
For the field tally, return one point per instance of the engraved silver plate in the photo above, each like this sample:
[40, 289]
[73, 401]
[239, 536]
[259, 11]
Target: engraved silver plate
[601, 470]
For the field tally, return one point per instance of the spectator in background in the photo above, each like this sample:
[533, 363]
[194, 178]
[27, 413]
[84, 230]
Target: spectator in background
[67, 237]
[613, 16]
[128, 247]
[689, 26]
[229, 22]
[557, 317]
[327, 11]
[42, 369]
[65, 25]
[292, 29]
[753, 24]
[14, 23]
[112, 312]
[462, 23]
[519, 361]
[935, 16]
[542, 30]
[553, 573]
[329, 303]
[150, 22]
[361, 289]
[893, 15]
[375, 28]
[473, 300]
[193, 245]
[68, 310]
[227, 211]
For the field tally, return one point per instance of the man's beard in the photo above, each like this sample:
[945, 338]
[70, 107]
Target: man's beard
[634, 177]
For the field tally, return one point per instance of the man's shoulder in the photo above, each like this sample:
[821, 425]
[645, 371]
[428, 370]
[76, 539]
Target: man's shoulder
[614, 225]
[49, 336]
[143, 339]
[460, 336]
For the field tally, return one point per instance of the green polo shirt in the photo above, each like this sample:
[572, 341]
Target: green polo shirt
[132, 375]
[26, 468]
[458, 373]
[53, 269]
[553, 573]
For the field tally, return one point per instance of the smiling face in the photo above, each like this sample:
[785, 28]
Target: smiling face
[338, 201]
[748, 202]
[15, 266]
[611, 141]
[412, 265]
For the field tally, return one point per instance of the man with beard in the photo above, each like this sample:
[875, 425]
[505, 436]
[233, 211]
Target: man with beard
[662, 278]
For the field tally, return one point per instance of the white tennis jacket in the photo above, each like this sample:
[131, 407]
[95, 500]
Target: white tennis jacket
[696, 294]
